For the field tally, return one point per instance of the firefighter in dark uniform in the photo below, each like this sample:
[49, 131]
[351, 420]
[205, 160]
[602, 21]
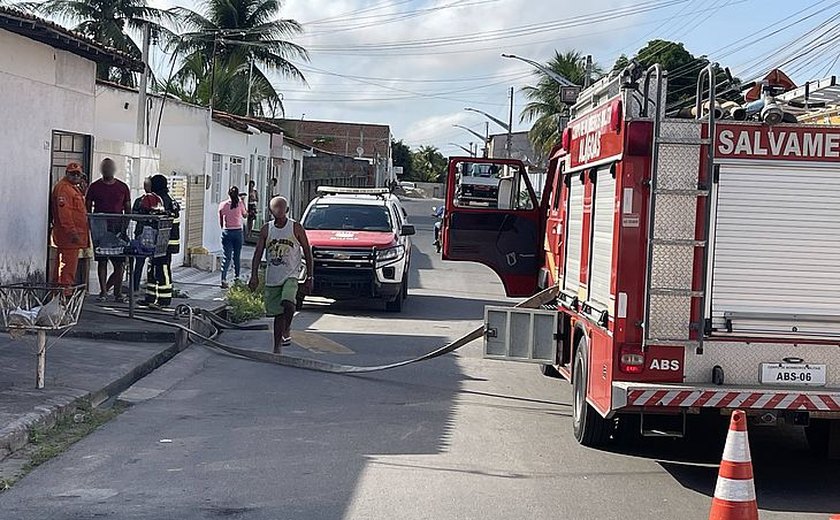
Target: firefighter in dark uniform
[159, 274]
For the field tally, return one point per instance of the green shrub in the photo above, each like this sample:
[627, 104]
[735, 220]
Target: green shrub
[243, 304]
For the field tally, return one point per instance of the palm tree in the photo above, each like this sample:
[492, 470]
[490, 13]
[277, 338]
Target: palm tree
[544, 107]
[237, 32]
[108, 22]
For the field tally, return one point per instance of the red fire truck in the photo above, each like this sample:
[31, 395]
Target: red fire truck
[696, 263]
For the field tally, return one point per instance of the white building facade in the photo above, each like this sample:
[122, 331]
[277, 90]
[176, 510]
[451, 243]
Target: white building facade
[47, 77]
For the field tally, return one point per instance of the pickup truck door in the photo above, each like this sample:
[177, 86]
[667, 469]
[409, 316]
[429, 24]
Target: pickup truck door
[505, 234]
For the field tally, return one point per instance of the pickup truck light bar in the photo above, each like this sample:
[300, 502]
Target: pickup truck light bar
[340, 190]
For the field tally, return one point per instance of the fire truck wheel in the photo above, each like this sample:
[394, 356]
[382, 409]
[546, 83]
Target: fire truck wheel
[590, 428]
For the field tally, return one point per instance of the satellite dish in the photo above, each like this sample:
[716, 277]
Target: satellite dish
[360, 151]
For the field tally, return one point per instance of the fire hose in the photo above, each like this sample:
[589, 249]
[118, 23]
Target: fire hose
[213, 322]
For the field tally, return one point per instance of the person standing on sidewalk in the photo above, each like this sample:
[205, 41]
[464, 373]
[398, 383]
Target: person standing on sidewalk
[253, 203]
[110, 195]
[159, 274]
[70, 231]
[147, 204]
[231, 213]
[284, 243]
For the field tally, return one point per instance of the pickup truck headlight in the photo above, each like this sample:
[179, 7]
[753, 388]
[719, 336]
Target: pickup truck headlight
[390, 255]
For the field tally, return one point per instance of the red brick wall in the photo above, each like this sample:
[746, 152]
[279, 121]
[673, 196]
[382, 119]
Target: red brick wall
[341, 138]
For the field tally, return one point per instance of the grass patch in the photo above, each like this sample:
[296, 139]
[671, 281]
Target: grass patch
[47, 443]
[73, 427]
[244, 304]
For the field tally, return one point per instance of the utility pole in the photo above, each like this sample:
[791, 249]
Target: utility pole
[250, 79]
[486, 139]
[509, 144]
[144, 80]
[213, 75]
[588, 78]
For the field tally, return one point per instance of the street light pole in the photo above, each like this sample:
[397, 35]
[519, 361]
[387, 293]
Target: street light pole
[509, 145]
[545, 70]
[486, 139]
[144, 79]
[250, 79]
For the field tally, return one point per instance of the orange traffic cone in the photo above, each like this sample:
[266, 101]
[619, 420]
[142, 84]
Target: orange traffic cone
[735, 490]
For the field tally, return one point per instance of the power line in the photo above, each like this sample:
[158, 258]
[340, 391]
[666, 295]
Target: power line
[500, 34]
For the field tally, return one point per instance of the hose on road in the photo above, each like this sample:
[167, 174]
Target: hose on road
[212, 321]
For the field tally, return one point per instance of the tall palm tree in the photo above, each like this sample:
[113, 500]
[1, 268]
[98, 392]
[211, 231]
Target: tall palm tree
[238, 31]
[108, 22]
[544, 106]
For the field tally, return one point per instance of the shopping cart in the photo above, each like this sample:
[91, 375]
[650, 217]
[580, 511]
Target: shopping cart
[26, 307]
[129, 236]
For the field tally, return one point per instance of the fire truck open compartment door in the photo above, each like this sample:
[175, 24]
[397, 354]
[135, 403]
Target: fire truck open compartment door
[776, 250]
[504, 234]
[526, 335]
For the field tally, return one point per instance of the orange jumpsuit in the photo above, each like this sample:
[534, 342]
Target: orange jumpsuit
[70, 231]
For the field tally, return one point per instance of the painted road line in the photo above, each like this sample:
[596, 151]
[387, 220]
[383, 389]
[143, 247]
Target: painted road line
[318, 344]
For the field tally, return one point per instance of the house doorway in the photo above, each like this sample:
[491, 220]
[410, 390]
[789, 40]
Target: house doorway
[67, 147]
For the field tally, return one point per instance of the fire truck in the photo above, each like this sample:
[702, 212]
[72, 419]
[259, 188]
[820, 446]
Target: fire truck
[696, 262]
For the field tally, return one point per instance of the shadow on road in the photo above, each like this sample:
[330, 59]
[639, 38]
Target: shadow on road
[417, 307]
[787, 477]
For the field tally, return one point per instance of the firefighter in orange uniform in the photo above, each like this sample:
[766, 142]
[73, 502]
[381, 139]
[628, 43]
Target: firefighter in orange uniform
[70, 231]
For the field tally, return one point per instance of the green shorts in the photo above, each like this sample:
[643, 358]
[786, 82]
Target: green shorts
[275, 295]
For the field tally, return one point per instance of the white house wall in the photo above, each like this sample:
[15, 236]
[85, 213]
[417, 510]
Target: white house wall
[229, 143]
[44, 89]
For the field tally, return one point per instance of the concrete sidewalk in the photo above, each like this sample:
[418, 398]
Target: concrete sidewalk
[203, 285]
[94, 361]
[97, 359]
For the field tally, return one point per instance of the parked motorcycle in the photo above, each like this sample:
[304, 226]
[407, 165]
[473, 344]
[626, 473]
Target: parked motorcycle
[437, 212]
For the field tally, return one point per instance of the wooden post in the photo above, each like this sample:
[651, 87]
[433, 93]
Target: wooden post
[42, 359]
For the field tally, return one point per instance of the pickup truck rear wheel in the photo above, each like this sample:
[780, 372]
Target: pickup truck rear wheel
[590, 428]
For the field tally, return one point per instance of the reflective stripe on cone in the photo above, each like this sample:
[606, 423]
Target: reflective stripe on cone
[735, 489]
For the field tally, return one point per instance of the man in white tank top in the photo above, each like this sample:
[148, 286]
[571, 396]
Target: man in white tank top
[284, 243]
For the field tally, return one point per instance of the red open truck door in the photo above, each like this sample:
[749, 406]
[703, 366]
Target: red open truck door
[493, 217]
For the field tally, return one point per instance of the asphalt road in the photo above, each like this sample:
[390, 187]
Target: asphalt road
[457, 437]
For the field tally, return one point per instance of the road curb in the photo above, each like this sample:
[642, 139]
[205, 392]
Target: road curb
[16, 435]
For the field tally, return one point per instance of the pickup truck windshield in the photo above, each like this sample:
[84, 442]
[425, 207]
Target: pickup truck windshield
[348, 217]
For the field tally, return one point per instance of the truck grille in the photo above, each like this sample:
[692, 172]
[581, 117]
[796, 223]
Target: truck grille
[344, 272]
[343, 257]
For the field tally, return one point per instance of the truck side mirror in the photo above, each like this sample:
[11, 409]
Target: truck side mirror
[407, 230]
[503, 198]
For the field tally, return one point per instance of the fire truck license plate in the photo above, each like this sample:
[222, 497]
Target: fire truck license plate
[792, 374]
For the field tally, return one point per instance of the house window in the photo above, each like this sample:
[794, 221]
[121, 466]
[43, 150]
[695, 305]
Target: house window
[216, 179]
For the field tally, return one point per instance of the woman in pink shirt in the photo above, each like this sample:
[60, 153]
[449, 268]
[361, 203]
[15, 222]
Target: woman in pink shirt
[231, 213]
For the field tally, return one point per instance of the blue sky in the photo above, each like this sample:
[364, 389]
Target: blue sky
[385, 61]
